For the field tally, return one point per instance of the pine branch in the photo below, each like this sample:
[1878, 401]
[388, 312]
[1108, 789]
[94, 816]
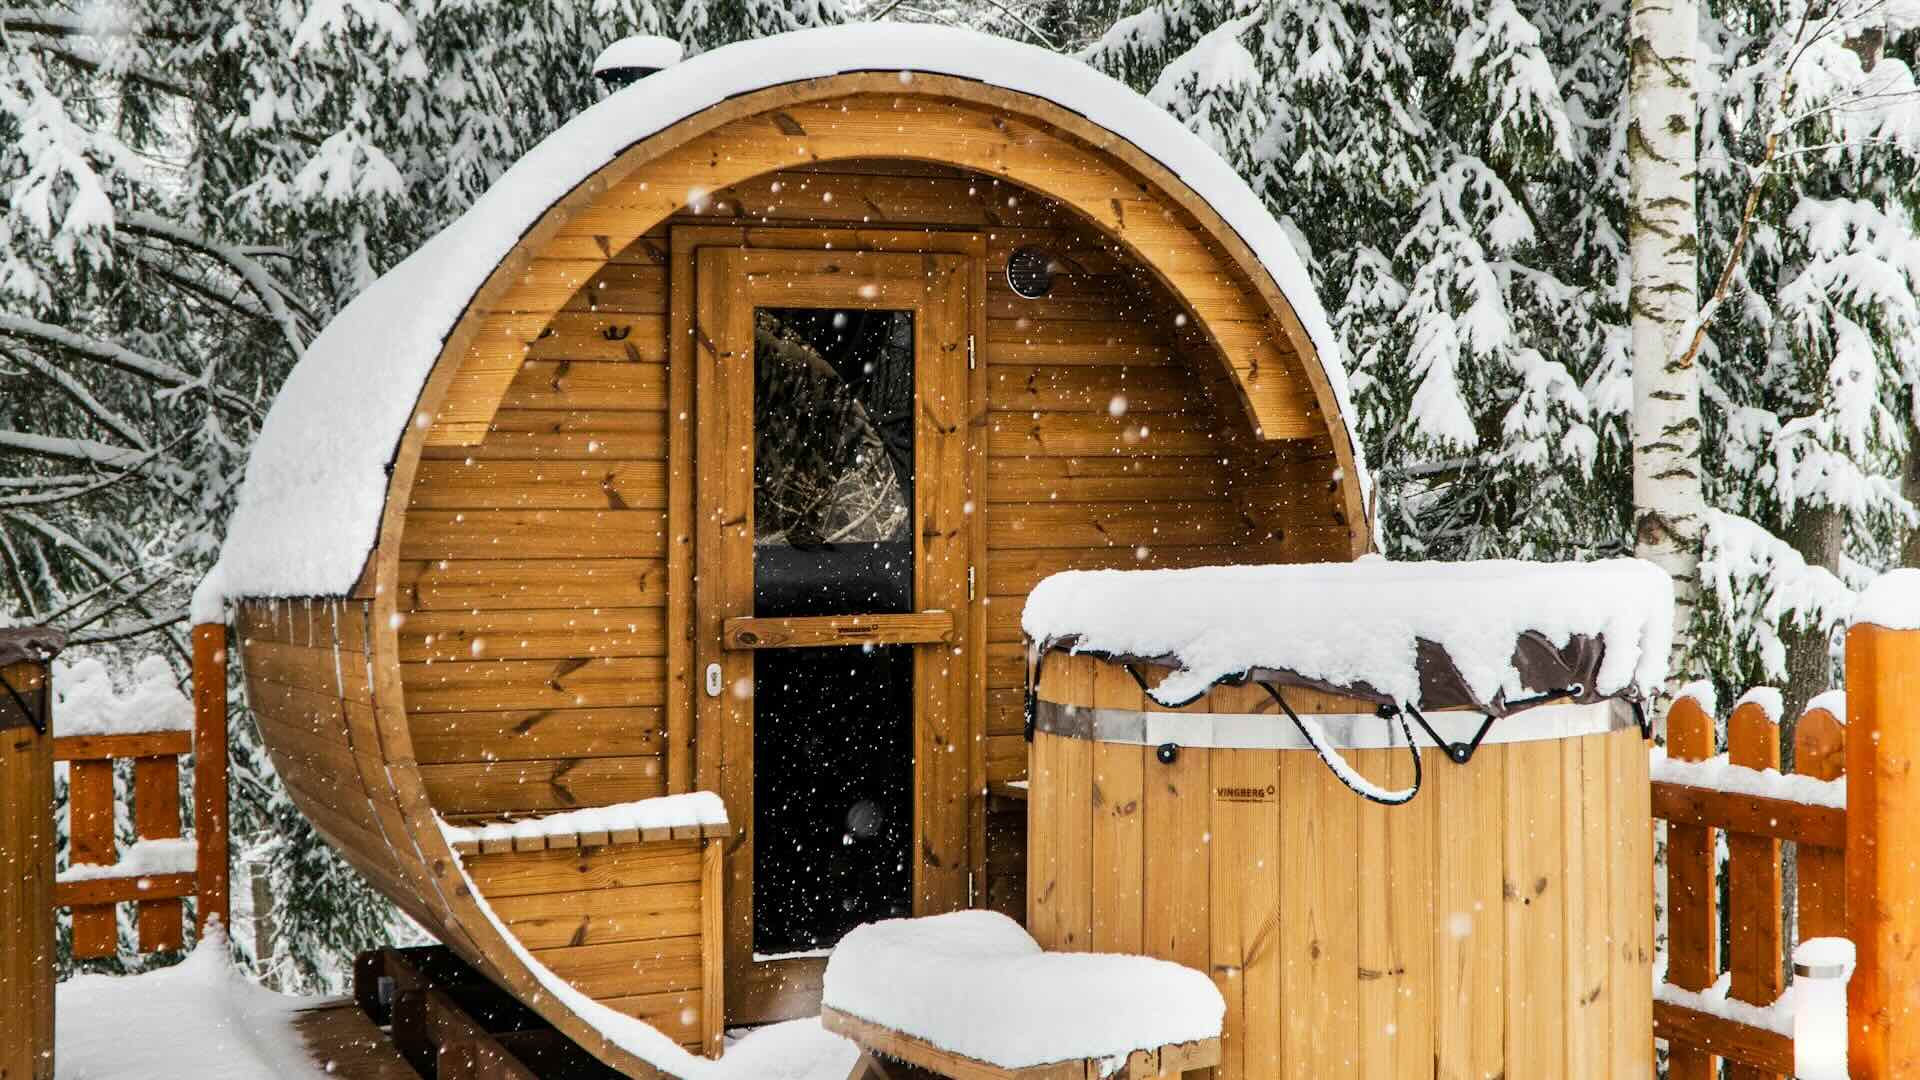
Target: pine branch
[55, 24]
[1761, 173]
[85, 485]
[71, 449]
[257, 276]
[38, 483]
[134, 75]
[14, 570]
[78, 393]
[120, 358]
[128, 630]
[218, 295]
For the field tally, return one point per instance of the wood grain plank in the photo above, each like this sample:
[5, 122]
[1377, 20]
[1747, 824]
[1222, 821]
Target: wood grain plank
[1469, 932]
[1820, 747]
[1630, 884]
[1244, 865]
[1693, 900]
[1755, 950]
[1534, 890]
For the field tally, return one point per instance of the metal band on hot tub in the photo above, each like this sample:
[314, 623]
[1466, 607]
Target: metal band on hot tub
[1345, 731]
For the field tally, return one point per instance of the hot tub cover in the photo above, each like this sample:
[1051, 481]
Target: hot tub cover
[1492, 635]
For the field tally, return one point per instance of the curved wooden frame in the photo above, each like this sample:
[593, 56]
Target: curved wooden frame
[1134, 200]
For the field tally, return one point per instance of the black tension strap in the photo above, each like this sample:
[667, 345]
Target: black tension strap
[1338, 765]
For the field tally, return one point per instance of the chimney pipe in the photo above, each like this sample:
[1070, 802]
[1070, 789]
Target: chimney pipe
[634, 58]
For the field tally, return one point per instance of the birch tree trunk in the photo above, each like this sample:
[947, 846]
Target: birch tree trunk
[1669, 509]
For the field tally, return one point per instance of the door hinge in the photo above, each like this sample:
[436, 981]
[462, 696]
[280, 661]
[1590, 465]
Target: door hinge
[970, 352]
[970, 895]
[969, 582]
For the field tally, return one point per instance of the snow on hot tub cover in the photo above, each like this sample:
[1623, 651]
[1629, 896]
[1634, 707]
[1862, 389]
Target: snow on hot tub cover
[309, 509]
[1435, 635]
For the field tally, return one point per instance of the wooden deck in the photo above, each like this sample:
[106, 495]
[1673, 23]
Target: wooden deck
[342, 1041]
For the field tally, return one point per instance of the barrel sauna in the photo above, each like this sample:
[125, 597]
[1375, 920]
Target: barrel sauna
[502, 548]
[1499, 923]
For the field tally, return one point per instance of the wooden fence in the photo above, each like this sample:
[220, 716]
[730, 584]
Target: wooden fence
[1852, 812]
[157, 877]
[1755, 827]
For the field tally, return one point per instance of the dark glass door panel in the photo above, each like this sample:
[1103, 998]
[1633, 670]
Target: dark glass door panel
[833, 793]
[833, 535]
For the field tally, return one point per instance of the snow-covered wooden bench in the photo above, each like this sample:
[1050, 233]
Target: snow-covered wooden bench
[970, 995]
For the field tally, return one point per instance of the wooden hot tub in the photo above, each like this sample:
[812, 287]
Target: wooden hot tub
[1500, 923]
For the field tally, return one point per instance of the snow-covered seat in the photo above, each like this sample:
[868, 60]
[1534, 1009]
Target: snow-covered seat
[971, 995]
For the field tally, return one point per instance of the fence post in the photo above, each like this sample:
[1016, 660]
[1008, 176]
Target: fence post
[210, 774]
[1883, 805]
[26, 854]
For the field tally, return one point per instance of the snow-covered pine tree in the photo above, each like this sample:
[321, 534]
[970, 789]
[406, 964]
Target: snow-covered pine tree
[1458, 177]
[1062, 25]
[1810, 150]
[191, 189]
[1452, 173]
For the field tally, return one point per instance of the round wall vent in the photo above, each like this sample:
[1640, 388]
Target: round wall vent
[1030, 272]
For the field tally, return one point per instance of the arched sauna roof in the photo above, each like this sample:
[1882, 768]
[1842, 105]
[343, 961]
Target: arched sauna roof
[311, 506]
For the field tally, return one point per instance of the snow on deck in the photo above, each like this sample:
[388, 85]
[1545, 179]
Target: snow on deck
[1359, 623]
[316, 482]
[200, 1018]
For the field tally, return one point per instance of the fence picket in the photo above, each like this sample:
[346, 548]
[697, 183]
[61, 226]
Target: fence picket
[90, 805]
[156, 816]
[1693, 918]
[1820, 751]
[1754, 904]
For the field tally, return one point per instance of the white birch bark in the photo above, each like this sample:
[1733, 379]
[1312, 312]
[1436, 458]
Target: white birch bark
[1669, 509]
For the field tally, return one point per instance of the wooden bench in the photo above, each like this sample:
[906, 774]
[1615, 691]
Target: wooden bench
[881, 1045]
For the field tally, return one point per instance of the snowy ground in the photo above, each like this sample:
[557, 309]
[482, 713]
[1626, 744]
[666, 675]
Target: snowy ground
[202, 1020]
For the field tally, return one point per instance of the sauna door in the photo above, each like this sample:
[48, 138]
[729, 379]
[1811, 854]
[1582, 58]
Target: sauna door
[831, 593]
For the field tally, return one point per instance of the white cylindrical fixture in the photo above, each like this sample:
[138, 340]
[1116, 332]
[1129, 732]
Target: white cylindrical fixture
[1821, 968]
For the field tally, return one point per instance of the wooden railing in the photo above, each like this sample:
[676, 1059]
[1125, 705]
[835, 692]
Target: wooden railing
[1755, 826]
[164, 867]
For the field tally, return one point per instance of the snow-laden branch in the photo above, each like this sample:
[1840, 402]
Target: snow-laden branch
[161, 262]
[70, 487]
[78, 393]
[257, 276]
[72, 449]
[119, 357]
[123, 631]
[136, 75]
[1766, 587]
[102, 22]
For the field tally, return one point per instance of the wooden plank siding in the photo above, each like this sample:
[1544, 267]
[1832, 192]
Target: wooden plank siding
[622, 923]
[534, 564]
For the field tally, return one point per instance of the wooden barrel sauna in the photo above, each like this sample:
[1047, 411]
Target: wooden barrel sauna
[1499, 924]
[495, 557]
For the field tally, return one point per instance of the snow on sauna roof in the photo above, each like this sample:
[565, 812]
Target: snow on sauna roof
[309, 509]
[1435, 634]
